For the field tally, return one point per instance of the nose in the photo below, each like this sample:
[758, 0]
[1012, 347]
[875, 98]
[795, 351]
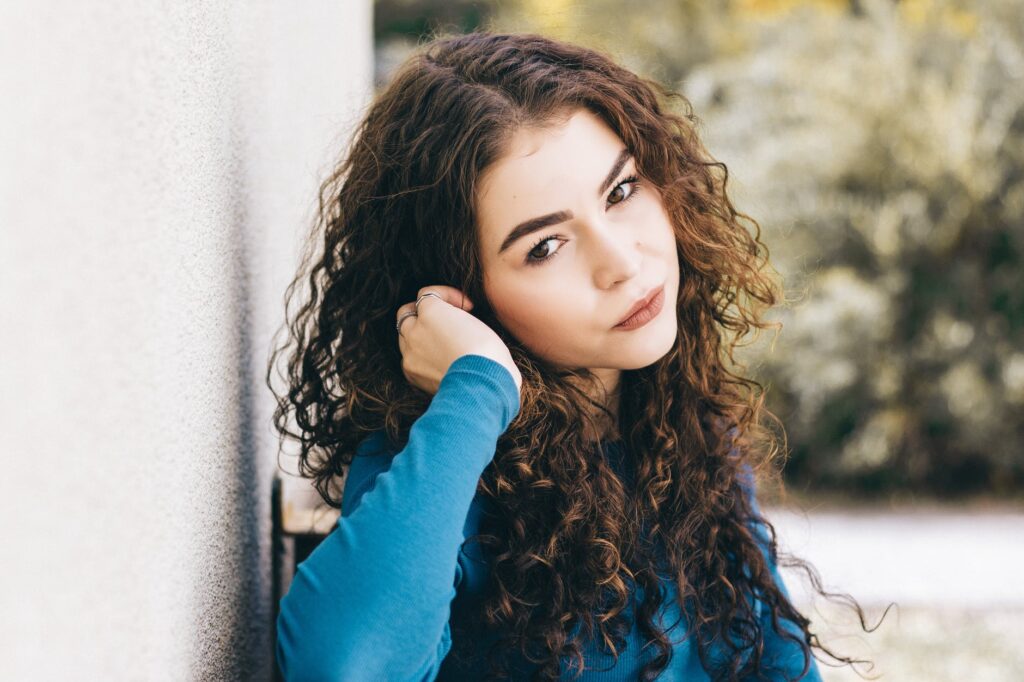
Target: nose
[614, 251]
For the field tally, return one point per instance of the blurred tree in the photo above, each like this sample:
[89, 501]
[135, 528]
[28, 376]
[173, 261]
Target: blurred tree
[659, 38]
[880, 144]
[398, 25]
[415, 18]
[886, 147]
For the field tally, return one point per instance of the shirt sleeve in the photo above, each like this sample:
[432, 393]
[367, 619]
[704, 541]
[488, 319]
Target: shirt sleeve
[373, 600]
[783, 658]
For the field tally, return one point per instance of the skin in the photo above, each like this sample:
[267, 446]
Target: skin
[611, 252]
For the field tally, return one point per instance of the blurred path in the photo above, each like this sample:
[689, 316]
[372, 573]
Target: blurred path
[948, 558]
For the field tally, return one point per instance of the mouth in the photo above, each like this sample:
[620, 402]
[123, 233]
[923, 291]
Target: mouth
[644, 309]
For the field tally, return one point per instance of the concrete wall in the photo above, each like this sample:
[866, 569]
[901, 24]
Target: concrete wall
[158, 162]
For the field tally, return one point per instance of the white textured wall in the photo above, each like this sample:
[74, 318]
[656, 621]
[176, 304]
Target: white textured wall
[157, 162]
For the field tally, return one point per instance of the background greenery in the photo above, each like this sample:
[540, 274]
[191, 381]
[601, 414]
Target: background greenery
[880, 145]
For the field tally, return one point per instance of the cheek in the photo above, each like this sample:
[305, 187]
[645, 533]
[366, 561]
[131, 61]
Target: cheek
[519, 311]
[534, 314]
[658, 215]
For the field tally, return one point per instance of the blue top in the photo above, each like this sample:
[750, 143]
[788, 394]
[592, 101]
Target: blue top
[377, 599]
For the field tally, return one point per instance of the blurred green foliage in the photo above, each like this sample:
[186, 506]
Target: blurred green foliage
[880, 145]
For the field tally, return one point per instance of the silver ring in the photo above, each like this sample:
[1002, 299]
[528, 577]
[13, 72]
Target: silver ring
[398, 326]
[429, 293]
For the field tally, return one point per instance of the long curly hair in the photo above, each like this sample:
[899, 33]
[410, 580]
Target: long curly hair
[567, 537]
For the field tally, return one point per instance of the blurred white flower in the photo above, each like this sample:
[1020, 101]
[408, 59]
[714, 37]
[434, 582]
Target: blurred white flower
[951, 333]
[874, 443]
[1013, 377]
[970, 398]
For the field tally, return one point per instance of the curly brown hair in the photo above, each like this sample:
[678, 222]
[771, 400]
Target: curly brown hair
[567, 537]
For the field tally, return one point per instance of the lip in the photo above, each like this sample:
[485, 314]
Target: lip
[642, 304]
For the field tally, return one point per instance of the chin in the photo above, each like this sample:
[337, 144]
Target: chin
[647, 351]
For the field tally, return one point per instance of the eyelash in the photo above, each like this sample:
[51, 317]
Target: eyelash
[538, 261]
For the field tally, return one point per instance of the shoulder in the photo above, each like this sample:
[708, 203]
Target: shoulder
[748, 483]
[744, 473]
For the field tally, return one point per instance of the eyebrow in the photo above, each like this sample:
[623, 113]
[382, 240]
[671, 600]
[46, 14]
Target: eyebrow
[534, 224]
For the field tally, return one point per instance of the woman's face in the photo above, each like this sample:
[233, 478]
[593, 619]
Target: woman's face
[569, 245]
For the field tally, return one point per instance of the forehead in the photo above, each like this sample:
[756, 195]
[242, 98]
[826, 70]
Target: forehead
[545, 170]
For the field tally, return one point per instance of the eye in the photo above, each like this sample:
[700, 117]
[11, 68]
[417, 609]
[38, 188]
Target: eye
[535, 260]
[531, 259]
[631, 180]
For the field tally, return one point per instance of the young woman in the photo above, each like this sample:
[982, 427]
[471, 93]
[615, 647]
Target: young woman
[514, 356]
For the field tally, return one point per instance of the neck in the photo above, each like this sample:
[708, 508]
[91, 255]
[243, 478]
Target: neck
[608, 395]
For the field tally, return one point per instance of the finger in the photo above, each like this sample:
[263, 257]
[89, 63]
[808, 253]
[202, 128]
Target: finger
[403, 344]
[403, 320]
[450, 295]
[408, 307]
[403, 328]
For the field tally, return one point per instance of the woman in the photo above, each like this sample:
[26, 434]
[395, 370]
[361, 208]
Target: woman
[512, 354]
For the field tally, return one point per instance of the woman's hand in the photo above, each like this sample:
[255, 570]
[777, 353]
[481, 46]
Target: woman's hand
[441, 333]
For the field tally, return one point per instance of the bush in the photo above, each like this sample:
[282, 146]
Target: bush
[882, 150]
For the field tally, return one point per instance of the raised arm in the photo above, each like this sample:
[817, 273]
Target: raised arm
[372, 601]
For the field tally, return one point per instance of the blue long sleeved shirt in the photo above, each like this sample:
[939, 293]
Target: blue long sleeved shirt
[379, 596]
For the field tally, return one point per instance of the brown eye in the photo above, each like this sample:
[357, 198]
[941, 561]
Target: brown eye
[533, 258]
[633, 181]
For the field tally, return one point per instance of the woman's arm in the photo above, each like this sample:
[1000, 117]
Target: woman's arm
[372, 601]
